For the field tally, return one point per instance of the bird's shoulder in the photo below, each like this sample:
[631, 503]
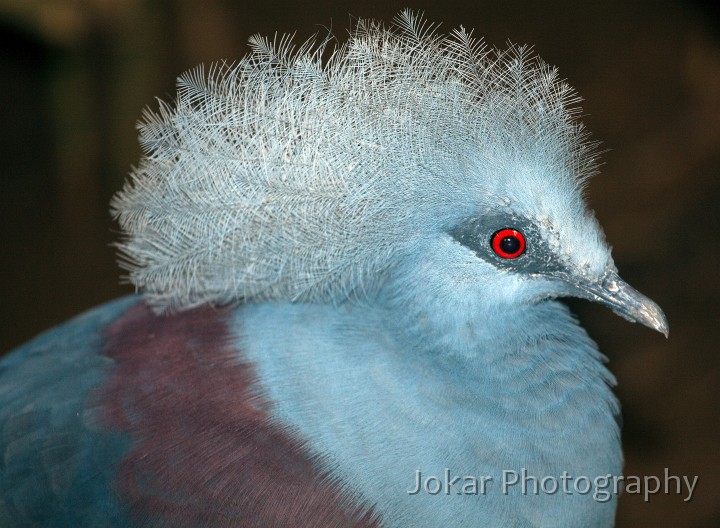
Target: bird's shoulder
[126, 417]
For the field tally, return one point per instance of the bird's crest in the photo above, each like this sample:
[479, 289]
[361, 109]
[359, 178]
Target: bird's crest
[284, 176]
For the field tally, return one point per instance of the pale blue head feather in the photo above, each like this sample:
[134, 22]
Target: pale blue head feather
[285, 178]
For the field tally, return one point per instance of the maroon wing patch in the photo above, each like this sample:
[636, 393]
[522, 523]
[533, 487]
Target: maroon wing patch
[205, 450]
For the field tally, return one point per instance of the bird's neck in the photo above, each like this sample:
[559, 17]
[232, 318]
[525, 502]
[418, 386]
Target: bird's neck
[530, 364]
[383, 395]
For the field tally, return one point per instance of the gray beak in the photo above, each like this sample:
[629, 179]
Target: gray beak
[624, 300]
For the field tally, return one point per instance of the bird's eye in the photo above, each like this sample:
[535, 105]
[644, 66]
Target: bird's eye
[508, 243]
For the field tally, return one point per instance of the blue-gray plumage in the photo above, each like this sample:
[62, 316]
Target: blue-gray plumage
[349, 275]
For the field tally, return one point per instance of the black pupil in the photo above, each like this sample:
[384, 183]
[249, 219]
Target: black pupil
[510, 244]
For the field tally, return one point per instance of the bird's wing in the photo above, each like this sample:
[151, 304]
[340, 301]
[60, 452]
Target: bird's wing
[126, 418]
[55, 470]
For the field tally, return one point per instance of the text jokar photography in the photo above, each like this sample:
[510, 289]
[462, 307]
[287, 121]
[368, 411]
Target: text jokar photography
[601, 487]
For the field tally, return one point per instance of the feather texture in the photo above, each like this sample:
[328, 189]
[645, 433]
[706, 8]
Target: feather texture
[283, 177]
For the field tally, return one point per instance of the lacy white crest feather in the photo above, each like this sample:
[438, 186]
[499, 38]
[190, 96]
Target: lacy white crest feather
[283, 177]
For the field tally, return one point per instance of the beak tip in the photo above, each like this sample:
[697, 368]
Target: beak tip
[662, 325]
[651, 315]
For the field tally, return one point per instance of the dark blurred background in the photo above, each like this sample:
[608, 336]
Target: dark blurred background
[75, 74]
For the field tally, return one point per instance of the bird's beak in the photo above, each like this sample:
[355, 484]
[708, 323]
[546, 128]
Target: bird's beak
[624, 300]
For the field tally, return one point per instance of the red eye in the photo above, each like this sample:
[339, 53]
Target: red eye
[508, 243]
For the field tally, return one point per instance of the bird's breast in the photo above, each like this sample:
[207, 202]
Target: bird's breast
[378, 414]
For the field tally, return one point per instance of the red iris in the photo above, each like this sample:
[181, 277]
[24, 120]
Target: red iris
[508, 243]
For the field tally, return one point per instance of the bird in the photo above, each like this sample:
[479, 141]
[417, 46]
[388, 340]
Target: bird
[349, 262]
